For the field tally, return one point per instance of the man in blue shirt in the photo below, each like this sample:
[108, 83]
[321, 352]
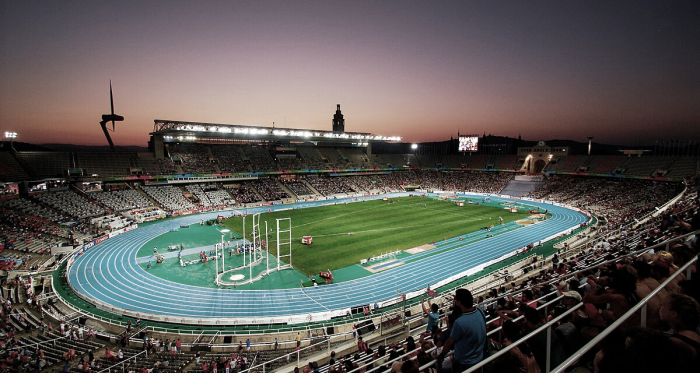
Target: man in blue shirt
[468, 335]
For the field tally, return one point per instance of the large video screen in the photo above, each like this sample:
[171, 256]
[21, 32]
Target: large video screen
[468, 143]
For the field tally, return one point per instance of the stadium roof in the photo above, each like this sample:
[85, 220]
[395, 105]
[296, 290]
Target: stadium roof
[190, 131]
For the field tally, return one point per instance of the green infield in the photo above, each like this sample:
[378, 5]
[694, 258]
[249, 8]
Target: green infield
[344, 234]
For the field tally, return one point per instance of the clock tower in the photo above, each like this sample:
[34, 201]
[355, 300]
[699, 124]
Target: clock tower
[338, 121]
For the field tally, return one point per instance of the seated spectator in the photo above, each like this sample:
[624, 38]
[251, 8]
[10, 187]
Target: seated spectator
[620, 296]
[664, 267]
[645, 286]
[518, 359]
[538, 342]
[682, 313]
[70, 355]
[411, 347]
[109, 356]
[653, 349]
[409, 366]
[615, 359]
[569, 329]
[424, 359]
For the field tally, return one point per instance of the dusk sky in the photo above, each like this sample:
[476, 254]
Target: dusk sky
[625, 72]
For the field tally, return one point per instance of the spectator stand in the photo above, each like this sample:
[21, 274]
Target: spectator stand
[639, 307]
[231, 158]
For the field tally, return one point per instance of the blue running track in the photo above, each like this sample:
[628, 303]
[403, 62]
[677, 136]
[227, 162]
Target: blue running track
[109, 276]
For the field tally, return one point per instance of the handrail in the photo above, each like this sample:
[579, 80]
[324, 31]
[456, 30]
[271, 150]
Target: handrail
[644, 250]
[547, 326]
[38, 343]
[126, 360]
[406, 353]
[327, 339]
[592, 343]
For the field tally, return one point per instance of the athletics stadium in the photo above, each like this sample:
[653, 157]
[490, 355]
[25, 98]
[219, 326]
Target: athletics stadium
[223, 233]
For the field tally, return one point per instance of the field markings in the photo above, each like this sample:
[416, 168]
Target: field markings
[462, 221]
[335, 217]
[216, 302]
[376, 230]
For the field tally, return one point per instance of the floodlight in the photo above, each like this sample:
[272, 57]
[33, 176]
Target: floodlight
[10, 135]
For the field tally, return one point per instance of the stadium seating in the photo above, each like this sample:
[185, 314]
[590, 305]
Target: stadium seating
[269, 189]
[312, 157]
[70, 204]
[625, 208]
[209, 195]
[122, 200]
[244, 193]
[330, 186]
[193, 158]
[298, 187]
[643, 166]
[170, 197]
[260, 158]
[105, 164]
[231, 158]
[10, 170]
[48, 164]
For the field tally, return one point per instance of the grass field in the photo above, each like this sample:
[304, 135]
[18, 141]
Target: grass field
[346, 233]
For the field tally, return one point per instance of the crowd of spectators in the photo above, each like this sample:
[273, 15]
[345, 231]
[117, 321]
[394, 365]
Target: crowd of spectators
[298, 187]
[364, 183]
[193, 158]
[244, 193]
[231, 158]
[453, 181]
[379, 183]
[291, 163]
[330, 186]
[618, 201]
[28, 233]
[260, 158]
[427, 179]
[269, 189]
[486, 182]
[596, 286]
[167, 167]
[587, 290]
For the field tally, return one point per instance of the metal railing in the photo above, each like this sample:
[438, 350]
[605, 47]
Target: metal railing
[641, 305]
[121, 365]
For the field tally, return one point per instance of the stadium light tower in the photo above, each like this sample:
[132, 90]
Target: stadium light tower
[414, 147]
[12, 136]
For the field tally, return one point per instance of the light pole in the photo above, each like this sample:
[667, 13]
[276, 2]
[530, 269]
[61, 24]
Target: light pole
[12, 136]
[590, 138]
[414, 147]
